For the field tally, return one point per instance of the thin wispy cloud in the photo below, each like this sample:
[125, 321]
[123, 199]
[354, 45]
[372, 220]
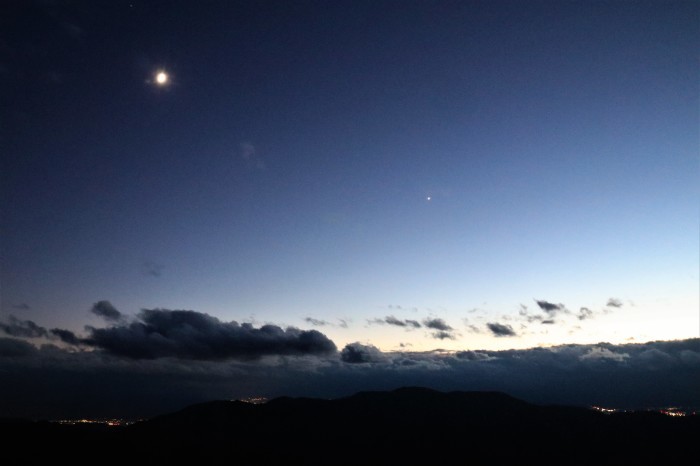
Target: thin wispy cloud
[152, 269]
[249, 154]
[316, 322]
[391, 320]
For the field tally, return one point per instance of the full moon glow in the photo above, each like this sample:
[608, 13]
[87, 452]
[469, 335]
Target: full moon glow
[162, 78]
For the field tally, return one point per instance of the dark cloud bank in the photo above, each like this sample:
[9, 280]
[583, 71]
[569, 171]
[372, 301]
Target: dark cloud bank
[163, 333]
[162, 360]
[159, 333]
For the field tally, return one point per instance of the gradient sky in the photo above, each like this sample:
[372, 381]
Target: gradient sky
[330, 165]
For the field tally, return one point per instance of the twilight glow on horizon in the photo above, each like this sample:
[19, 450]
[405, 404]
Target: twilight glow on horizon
[410, 176]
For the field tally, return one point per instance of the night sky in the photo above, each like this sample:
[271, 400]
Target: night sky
[322, 197]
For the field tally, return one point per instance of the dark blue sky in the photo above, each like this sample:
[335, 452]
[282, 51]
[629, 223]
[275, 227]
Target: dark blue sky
[333, 164]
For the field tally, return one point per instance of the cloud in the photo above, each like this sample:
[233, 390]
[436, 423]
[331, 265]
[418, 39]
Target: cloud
[614, 302]
[530, 318]
[501, 330]
[152, 269]
[624, 376]
[66, 336]
[11, 347]
[473, 355]
[21, 306]
[159, 333]
[106, 310]
[22, 328]
[655, 359]
[550, 308]
[584, 313]
[249, 153]
[598, 353]
[357, 353]
[316, 322]
[548, 322]
[437, 324]
[443, 330]
[391, 320]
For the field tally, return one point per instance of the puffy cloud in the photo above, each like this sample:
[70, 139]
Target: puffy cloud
[473, 355]
[598, 353]
[584, 313]
[357, 353]
[550, 308]
[614, 302]
[106, 310]
[158, 333]
[437, 324]
[501, 330]
[443, 330]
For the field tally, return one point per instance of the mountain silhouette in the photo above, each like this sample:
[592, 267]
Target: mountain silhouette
[408, 426]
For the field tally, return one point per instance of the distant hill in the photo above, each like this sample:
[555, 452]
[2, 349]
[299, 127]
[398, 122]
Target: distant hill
[402, 427]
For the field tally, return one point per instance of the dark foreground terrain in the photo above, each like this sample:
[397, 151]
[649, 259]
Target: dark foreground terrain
[409, 426]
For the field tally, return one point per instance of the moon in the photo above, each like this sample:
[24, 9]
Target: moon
[162, 78]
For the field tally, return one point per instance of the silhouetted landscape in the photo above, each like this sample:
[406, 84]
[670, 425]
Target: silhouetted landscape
[404, 426]
[378, 232]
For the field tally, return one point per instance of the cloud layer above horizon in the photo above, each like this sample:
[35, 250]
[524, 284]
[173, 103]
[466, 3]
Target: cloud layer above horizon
[161, 360]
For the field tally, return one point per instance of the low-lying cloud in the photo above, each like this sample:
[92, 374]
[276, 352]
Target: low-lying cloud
[357, 353]
[159, 333]
[632, 375]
